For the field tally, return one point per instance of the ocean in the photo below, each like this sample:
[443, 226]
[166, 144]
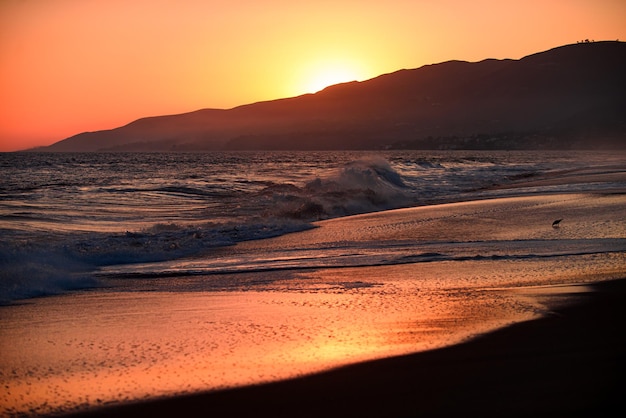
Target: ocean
[126, 277]
[66, 219]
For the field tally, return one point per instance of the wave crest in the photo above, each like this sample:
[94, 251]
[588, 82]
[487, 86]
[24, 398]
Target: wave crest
[361, 186]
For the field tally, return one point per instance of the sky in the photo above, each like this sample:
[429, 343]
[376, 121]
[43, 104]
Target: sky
[70, 66]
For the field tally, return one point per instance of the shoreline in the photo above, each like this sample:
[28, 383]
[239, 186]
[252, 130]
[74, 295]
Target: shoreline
[567, 363]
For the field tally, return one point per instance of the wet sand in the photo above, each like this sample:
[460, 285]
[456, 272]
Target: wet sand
[569, 363]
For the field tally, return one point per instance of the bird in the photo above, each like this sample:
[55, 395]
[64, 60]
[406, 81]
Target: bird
[556, 223]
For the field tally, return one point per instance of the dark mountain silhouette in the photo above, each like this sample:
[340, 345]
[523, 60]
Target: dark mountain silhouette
[572, 96]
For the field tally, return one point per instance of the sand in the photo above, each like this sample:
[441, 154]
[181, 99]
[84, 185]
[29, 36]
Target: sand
[569, 363]
[507, 317]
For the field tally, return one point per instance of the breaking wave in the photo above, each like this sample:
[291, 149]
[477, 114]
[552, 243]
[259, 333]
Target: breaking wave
[28, 271]
[362, 186]
[54, 263]
[68, 262]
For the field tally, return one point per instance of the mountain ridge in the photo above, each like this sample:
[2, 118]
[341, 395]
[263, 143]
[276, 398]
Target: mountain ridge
[572, 96]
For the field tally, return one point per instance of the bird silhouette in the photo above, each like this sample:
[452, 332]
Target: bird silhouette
[556, 223]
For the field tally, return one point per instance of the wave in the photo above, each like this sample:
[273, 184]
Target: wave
[365, 185]
[62, 263]
[355, 255]
[28, 271]
[53, 263]
[178, 190]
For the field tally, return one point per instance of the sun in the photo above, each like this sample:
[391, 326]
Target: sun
[329, 76]
[325, 74]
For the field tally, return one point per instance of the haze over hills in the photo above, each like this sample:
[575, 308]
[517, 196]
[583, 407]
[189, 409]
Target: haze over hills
[570, 97]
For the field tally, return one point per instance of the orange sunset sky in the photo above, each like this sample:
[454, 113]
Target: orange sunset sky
[68, 66]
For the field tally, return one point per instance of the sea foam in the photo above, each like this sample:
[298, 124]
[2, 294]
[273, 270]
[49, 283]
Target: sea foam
[365, 185]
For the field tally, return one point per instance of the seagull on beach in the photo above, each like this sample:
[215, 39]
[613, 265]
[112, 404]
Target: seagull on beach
[556, 223]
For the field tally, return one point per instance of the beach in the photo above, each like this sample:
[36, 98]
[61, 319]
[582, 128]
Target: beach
[474, 307]
[569, 363]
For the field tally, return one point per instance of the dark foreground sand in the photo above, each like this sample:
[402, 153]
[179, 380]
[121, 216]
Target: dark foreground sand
[570, 363]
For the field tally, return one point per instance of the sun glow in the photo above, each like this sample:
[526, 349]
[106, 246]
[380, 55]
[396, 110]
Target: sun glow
[322, 75]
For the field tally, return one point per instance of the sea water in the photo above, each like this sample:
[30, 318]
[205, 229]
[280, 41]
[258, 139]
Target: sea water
[70, 220]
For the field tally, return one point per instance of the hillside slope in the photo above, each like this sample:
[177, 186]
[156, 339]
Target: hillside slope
[572, 96]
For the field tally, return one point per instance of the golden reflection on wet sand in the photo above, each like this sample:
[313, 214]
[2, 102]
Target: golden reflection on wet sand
[94, 348]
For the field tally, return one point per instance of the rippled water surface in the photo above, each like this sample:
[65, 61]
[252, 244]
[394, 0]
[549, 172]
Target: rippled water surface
[64, 216]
